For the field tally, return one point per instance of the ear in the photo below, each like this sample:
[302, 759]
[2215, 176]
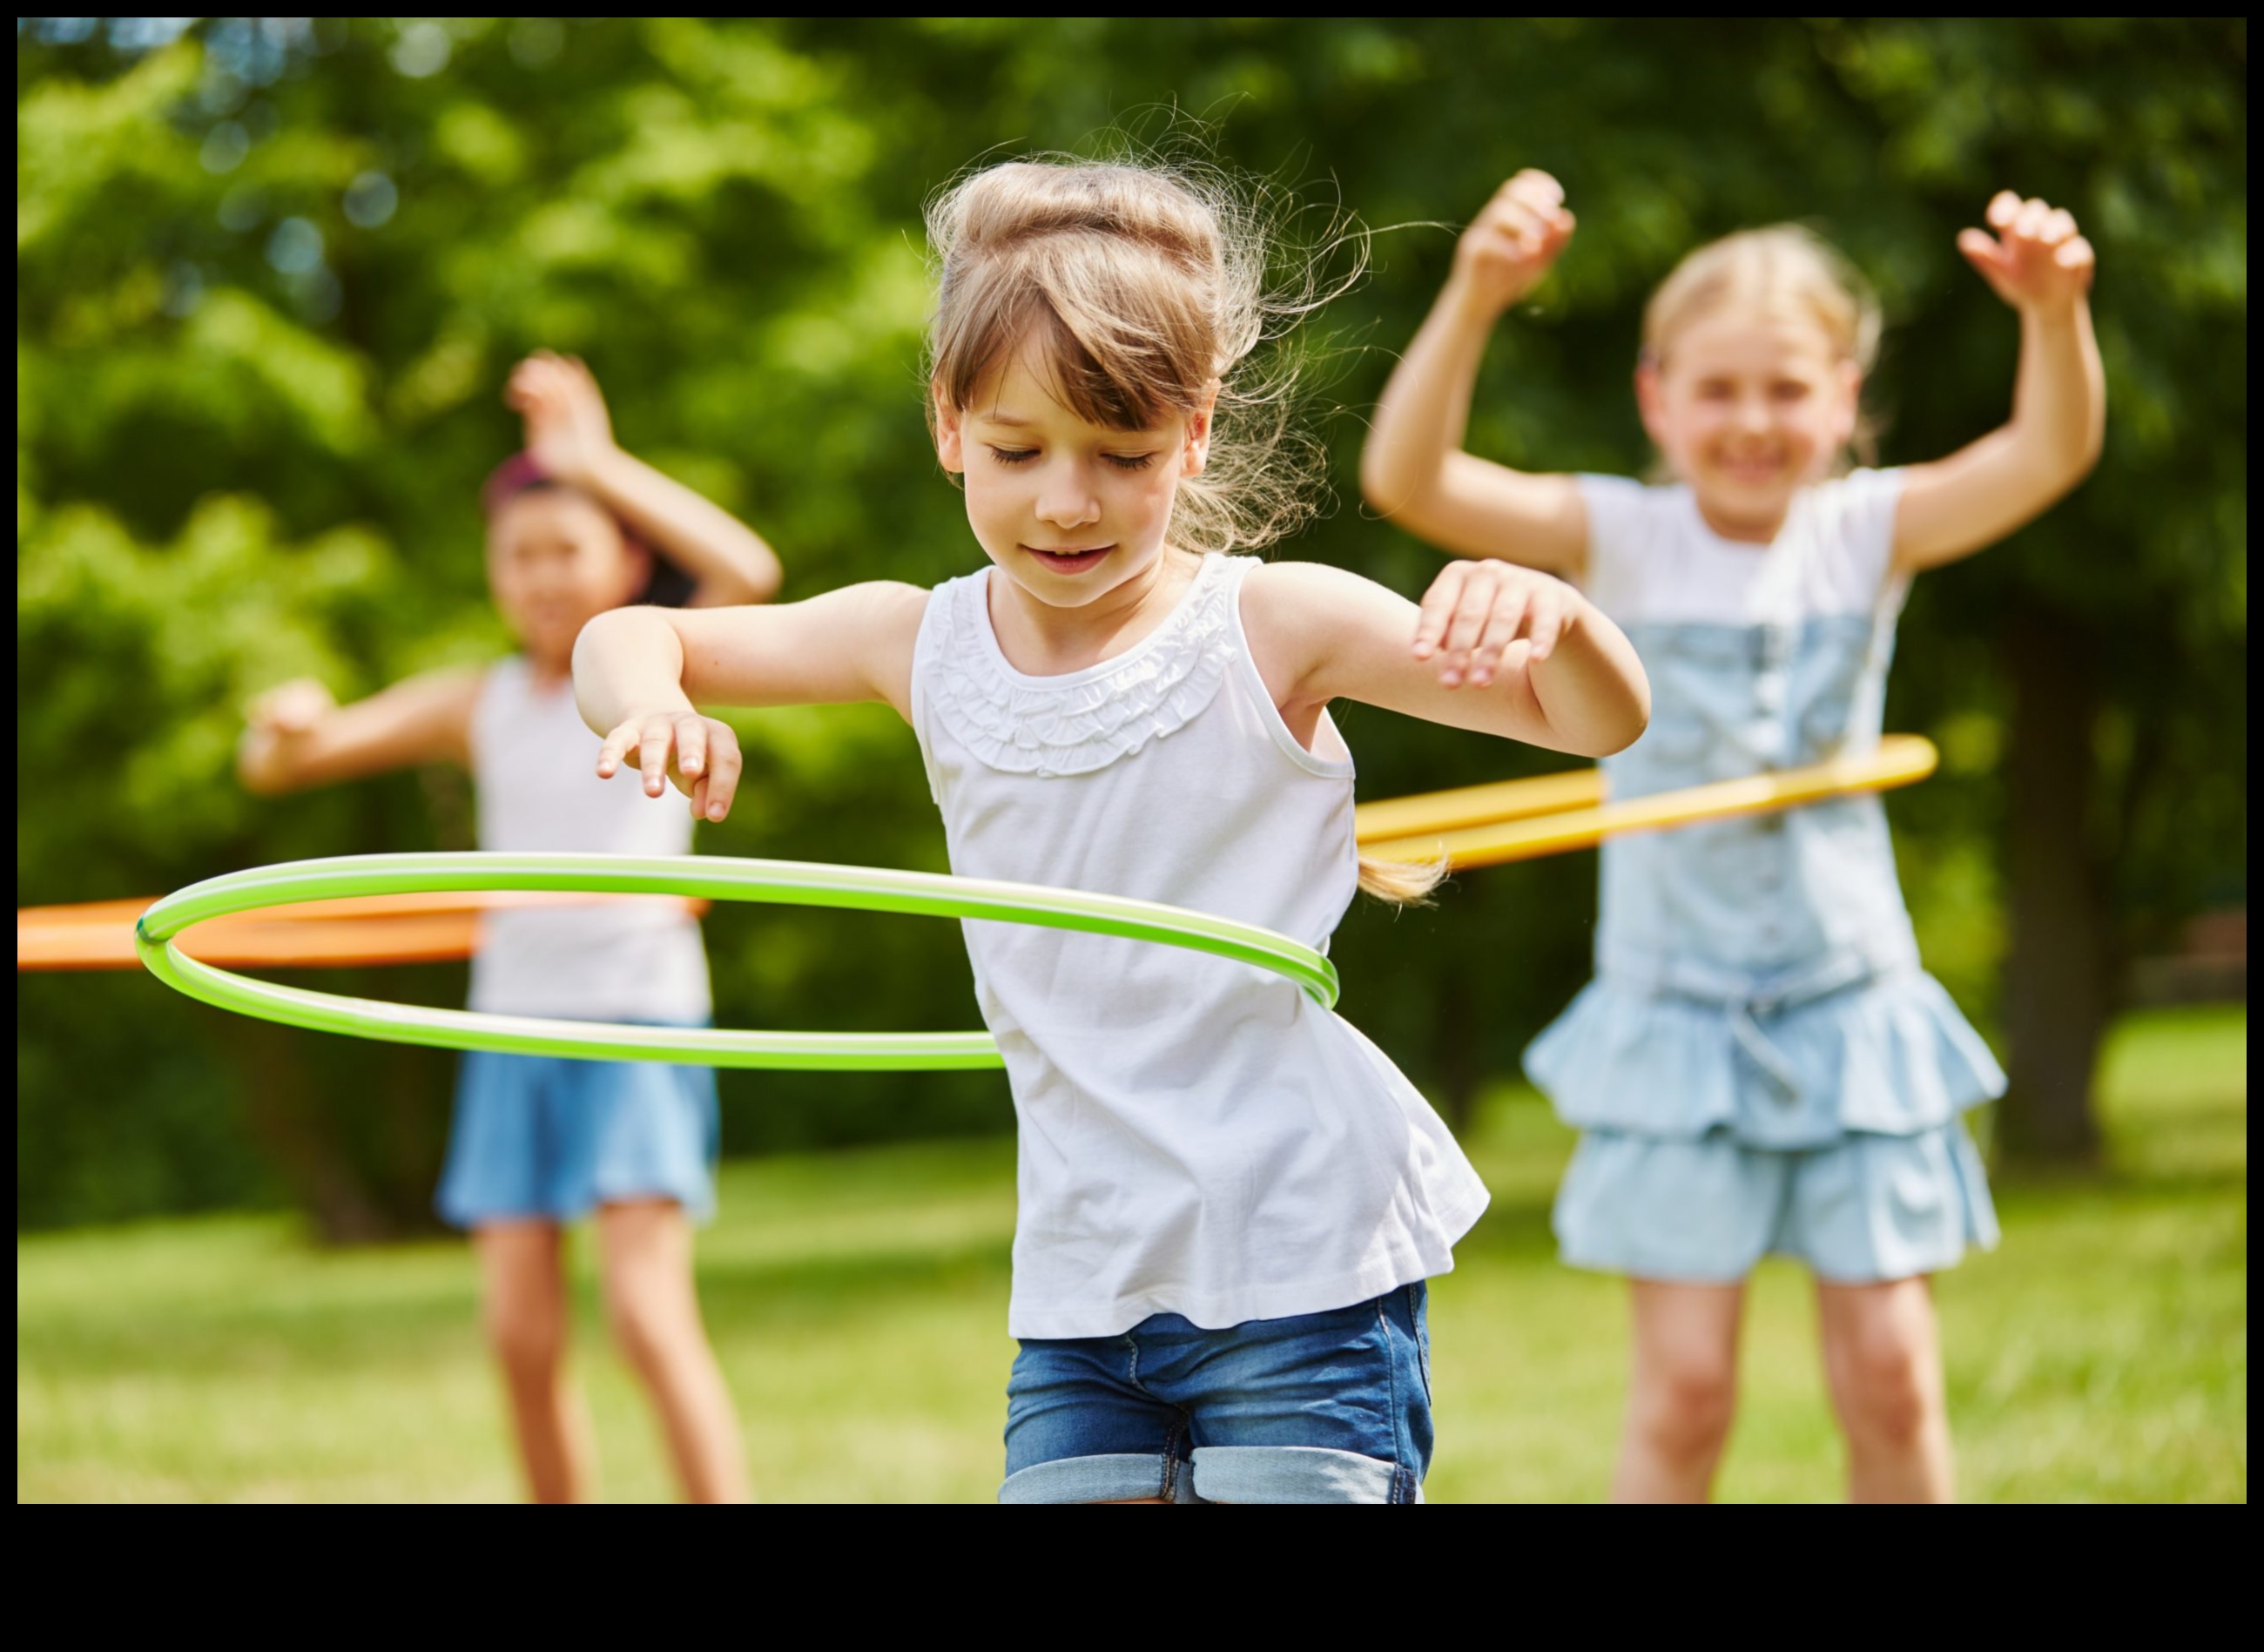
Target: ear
[1851, 401]
[1650, 401]
[950, 451]
[1196, 452]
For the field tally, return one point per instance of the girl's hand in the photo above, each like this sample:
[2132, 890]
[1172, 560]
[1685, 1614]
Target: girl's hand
[701, 754]
[2036, 260]
[290, 708]
[1510, 245]
[568, 430]
[1473, 611]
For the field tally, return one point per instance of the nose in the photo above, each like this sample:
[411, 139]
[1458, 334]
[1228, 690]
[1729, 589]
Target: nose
[1752, 413]
[1067, 498]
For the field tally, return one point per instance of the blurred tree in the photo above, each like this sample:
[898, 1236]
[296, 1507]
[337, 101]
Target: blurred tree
[270, 275]
[2088, 679]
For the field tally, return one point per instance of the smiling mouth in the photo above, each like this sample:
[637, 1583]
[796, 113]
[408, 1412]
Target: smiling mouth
[1749, 470]
[1069, 561]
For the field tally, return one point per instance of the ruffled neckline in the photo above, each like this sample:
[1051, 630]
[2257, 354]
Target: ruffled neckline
[1083, 720]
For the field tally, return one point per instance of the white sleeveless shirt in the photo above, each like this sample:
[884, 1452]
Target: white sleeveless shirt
[535, 764]
[1197, 1136]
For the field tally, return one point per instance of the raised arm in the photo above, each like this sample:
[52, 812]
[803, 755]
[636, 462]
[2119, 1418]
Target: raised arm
[297, 736]
[1495, 648]
[571, 436]
[1414, 470]
[638, 673]
[2039, 264]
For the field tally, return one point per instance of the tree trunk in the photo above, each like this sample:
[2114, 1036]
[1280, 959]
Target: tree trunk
[286, 1109]
[2060, 972]
[1454, 1048]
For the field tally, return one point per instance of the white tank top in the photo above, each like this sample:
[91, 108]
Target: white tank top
[1197, 1136]
[536, 766]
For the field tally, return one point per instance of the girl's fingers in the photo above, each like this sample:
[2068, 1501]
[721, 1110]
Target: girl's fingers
[1538, 187]
[618, 745]
[653, 742]
[699, 799]
[1469, 625]
[1544, 624]
[691, 746]
[2059, 224]
[722, 781]
[1503, 624]
[2029, 225]
[2075, 255]
[1980, 246]
[1438, 608]
[2003, 207]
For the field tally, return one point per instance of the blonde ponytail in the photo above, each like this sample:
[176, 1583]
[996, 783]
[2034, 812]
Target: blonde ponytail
[1401, 883]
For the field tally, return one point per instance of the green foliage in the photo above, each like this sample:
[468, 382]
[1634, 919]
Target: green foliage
[270, 276]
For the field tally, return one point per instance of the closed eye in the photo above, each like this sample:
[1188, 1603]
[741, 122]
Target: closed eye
[1130, 461]
[1012, 455]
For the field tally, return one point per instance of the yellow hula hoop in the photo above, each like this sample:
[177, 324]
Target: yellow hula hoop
[1523, 820]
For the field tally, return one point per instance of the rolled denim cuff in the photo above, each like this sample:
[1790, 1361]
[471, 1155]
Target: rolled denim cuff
[1297, 1473]
[1119, 1477]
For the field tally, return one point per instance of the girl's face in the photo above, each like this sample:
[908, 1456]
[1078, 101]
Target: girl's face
[1069, 511]
[555, 561]
[1748, 408]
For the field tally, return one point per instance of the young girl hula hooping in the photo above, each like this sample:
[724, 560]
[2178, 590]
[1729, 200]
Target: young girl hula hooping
[1760, 1063]
[537, 1141]
[1228, 1200]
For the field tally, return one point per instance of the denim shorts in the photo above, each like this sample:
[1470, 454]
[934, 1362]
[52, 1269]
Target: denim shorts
[544, 1137]
[1318, 1407]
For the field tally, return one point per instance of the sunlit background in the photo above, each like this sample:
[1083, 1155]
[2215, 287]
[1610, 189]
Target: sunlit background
[271, 273]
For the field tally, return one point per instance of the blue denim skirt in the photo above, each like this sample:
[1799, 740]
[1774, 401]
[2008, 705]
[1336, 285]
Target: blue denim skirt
[542, 1138]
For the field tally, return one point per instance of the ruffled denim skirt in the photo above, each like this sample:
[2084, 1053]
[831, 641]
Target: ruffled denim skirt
[1719, 1127]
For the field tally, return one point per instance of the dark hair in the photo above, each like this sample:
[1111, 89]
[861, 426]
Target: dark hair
[668, 586]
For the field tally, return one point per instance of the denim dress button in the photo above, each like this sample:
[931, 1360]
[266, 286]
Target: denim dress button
[1749, 701]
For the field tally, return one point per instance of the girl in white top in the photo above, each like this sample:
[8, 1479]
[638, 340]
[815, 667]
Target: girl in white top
[1229, 1198]
[538, 1142]
[1760, 1063]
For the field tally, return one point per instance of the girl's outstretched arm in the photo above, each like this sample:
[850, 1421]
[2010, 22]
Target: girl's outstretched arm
[571, 436]
[1414, 470]
[1494, 647]
[637, 673]
[2039, 264]
[296, 735]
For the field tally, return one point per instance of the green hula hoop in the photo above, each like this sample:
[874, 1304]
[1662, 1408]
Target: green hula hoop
[781, 882]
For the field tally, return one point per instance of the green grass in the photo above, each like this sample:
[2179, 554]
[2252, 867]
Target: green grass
[858, 1304]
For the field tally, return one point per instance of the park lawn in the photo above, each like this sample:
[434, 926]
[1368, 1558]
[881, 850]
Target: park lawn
[858, 1301]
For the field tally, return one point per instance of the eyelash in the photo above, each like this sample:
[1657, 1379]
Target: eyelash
[1122, 461]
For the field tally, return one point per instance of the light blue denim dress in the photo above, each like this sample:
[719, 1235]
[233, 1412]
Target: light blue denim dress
[1760, 1063]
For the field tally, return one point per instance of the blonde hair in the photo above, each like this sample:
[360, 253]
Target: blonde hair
[1784, 270]
[1150, 286]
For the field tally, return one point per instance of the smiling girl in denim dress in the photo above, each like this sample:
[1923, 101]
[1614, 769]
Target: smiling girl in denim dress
[1228, 1200]
[1760, 1063]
